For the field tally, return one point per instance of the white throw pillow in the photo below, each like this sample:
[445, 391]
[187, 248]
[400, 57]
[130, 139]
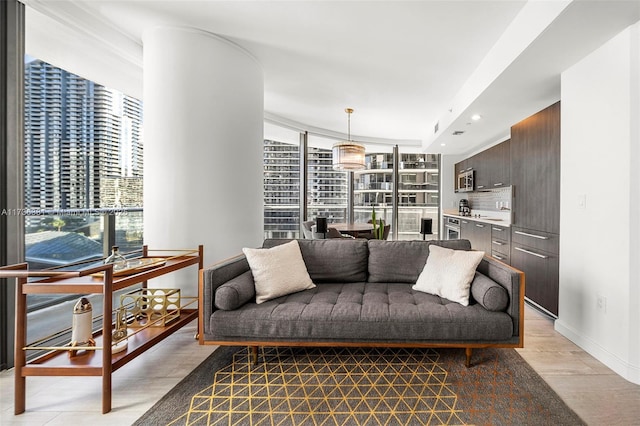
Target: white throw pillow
[448, 273]
[278, 271]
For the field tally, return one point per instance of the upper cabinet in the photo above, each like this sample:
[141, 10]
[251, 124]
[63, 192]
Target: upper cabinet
[459, 168]
[535, 171]
[481, 170]
[500, 162]
[491, 167]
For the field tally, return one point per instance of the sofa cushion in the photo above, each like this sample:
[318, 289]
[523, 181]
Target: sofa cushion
[235, 292]
[448, 273]
[333, 260]
[403, 261]
[278, 271]
[361, 312]
[489, 293]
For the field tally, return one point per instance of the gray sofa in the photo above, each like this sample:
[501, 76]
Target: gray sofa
[363, 297]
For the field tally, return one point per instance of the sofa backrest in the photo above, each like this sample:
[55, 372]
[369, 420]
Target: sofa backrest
[378, 261]
[402, 261]
[332, 260]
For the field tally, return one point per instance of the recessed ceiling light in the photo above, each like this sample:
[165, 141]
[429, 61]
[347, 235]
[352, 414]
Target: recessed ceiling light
[443, 144]
[476, 117]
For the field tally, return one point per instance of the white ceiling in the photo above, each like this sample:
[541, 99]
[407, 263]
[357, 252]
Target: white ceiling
[402, 65]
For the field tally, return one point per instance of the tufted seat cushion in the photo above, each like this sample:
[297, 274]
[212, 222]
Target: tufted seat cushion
[359, 312]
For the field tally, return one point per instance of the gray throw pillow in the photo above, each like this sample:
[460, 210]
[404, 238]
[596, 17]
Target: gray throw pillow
[491, 295]
[235, 292]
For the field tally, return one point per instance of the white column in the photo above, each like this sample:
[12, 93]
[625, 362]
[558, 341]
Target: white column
[203, 125]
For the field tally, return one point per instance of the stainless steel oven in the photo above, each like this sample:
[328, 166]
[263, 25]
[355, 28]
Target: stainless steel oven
[452, 228]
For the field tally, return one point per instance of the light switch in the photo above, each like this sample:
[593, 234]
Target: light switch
[582, 201]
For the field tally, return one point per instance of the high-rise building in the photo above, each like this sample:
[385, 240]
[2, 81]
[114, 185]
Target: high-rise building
[81, 139]
[281, 189]
[327, 190]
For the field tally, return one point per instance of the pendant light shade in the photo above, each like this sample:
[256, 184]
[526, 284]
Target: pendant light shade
[348, 155]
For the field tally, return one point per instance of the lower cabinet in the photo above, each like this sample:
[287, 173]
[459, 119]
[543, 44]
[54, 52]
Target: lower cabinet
[478, 233]
[536, 254]
[501, 243]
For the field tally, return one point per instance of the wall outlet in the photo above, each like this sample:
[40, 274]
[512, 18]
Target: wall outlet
[601, 304]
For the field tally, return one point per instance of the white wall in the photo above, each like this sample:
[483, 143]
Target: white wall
[599, 254]
[203, 173]
[448, 196]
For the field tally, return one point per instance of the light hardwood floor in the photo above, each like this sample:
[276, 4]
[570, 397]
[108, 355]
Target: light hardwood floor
[596, 393]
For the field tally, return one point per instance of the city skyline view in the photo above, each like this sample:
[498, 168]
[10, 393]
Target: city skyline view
[83, 142]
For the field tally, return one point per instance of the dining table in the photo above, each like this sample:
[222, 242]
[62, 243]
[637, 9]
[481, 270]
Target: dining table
[352, 228]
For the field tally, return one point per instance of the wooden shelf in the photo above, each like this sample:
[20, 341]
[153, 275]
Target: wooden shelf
[57, 363]
[57, 360]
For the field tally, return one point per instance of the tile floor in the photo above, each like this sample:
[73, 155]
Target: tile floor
[596, 393]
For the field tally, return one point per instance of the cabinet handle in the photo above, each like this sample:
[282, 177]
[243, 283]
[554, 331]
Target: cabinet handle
[469, 169]
[465, 222]
[498, 229]
[498, 184]
[480, 186]
[541, 256]
[479, 226]
[498, 257]
[497, 243]
[540, 237]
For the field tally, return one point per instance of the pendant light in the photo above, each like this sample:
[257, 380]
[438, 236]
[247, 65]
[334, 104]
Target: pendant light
[348, 155]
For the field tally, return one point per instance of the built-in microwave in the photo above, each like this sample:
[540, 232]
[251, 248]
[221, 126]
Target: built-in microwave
[465, 181]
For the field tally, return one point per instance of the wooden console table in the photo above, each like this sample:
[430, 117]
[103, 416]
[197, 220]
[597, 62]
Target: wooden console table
[97, 280]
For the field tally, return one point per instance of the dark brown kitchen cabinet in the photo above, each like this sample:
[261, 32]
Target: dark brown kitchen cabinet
[501, 243]
[466, 230]
[478, 233]
[460, 167]
[492, 167]
[535, 177]
[535, 170]
[541, 274]
[482, 170]
[500, 165]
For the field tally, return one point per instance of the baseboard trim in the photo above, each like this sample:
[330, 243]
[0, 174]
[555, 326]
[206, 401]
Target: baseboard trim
[621, 367]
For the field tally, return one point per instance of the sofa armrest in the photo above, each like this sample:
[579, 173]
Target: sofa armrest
[512, 280]
[213, 277]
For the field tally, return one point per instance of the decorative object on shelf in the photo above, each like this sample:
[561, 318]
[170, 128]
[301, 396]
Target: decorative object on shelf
[118, 260]
[134, 266]
[120, 335]
[426, 226]
[155, 307]
[348, 155]
[81, 334]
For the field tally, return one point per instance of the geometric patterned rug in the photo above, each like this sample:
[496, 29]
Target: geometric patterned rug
[368, 386]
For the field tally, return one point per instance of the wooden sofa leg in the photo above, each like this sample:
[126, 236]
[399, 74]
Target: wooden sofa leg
[468, 352]
[254, 354]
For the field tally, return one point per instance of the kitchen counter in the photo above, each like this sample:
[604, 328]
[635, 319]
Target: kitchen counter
[491, 217]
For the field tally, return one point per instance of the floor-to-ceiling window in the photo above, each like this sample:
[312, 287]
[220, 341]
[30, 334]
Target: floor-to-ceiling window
[327, 190]
[417, 194]
[82, 179]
